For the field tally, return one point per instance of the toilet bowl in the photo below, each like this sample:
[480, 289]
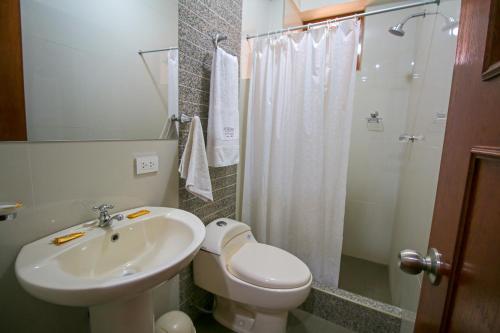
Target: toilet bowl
[255, 284]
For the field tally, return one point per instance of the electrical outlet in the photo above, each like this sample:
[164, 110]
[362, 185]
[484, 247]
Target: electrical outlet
[146, 164]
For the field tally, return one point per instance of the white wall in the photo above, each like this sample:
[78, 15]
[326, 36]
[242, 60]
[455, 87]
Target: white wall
[375, 158]
[291, 15]
[58, 184]
[83, 77]
[258, 16]
[430, 94]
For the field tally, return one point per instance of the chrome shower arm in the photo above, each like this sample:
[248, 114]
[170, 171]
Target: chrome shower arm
[409, 17]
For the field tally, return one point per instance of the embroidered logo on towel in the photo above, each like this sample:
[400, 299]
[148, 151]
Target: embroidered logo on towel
[228, 132]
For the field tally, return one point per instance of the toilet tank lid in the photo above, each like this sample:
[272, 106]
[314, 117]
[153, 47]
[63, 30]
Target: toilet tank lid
[220, 232]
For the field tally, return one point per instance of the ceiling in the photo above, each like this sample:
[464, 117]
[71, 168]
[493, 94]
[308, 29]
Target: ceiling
[314, 9]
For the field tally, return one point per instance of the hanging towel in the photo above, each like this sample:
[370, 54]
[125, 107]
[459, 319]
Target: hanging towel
[223, 120]
[194, 167]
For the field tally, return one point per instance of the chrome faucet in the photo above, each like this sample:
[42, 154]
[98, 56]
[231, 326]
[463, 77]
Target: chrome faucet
[105, 220]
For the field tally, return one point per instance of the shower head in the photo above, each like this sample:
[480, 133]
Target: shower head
[397, 30]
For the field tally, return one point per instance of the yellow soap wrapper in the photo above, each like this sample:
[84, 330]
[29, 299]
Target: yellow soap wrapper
[67, 238]
[138, 213]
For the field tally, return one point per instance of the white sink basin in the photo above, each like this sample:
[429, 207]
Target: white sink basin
[110, 269]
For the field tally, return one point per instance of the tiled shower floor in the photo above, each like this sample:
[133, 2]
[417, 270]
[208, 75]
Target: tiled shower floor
[298, 322]
[365, 278]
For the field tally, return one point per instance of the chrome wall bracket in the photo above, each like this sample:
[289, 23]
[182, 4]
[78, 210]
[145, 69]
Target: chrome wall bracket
[374, 118]
[8, 210]
[182, 119]
[8, 216]
[410, 138]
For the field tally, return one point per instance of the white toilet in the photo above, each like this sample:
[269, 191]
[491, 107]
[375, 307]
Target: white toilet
[255, 285]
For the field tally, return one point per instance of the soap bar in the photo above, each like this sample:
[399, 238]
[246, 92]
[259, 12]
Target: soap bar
[138, 213]
[67, 238]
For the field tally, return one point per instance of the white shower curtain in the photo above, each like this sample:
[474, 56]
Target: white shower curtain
[298, 131]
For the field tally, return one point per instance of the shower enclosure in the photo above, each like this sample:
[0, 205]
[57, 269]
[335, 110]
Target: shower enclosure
[401, 95]
[400, 108]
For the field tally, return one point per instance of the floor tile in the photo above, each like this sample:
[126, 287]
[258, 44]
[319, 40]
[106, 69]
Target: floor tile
[365, 278]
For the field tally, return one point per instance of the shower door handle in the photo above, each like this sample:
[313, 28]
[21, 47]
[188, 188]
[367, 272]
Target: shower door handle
[412, 262]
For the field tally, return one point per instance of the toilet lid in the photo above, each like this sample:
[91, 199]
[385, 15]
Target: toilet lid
[269, 267]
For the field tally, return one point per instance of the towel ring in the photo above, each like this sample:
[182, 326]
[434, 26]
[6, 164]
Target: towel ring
[218, 38]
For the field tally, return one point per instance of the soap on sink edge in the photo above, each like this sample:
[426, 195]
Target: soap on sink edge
[138, 213]
[66, 238]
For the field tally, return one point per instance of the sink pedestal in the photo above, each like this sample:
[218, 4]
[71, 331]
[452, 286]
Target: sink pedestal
[131, 315]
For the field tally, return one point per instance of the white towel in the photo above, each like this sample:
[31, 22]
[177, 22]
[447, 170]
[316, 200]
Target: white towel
[194, 167]
[223, 120]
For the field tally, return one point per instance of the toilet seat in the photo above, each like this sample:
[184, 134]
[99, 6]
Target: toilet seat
[268, 266]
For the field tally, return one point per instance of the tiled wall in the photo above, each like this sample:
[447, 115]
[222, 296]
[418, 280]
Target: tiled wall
[430, 94]
[199, 21]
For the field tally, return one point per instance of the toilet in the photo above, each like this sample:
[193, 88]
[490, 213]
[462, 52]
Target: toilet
[255, 284]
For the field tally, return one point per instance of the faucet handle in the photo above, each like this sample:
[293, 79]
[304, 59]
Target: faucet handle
[103, 207]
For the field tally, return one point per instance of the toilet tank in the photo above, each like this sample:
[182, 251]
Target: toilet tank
[220, 232]
[223, 237]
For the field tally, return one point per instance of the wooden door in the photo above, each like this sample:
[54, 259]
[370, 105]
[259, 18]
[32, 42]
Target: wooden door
[12, 115]
[466, 222]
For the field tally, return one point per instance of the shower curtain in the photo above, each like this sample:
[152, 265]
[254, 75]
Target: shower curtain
[297, 145]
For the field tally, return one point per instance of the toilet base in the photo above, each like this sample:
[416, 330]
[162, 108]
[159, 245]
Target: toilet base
[242, 318]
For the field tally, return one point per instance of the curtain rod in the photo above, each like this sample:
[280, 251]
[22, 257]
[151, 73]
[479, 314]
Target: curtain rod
[158, 50]
[343, 18]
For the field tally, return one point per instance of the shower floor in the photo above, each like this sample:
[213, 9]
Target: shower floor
[365, 278]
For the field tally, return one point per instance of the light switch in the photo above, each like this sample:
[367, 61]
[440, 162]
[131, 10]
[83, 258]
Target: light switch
[146, 164]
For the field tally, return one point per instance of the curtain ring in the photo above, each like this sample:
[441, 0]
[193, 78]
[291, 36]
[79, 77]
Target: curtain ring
[308, 26]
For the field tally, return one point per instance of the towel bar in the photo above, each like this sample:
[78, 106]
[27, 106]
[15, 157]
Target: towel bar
[182, 119]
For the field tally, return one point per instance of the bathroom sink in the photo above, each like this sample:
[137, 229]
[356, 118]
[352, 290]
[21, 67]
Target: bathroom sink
[110, 267]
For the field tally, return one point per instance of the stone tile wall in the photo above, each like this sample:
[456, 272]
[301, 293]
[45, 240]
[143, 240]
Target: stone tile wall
[199, 21]
[352, 311]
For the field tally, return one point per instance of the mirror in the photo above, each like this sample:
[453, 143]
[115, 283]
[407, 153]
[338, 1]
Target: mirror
[99, 70]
